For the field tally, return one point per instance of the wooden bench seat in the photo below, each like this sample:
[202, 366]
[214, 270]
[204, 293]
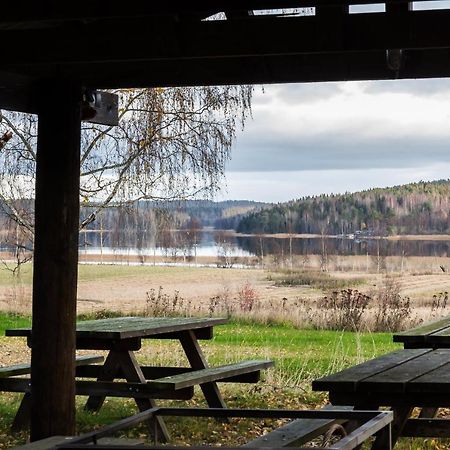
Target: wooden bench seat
[25, 368]
[105, 388]
[178, 386]
[156, 372]
[9, 383]
[298, 432]
[53, 441]
[220, 373]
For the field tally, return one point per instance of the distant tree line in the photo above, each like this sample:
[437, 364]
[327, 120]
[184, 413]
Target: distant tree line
[178, 214]
[415, 208]
[139, 224]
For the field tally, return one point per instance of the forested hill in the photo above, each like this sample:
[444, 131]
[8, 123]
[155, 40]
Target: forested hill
[175, 214]
[416, 208]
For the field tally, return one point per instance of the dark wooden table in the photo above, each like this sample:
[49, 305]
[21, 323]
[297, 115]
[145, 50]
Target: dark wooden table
[401, 380]
[430, 335]
[123, 336]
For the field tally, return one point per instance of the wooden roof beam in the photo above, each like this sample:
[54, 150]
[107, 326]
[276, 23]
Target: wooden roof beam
[165, 40]
[31, 11]
[263, 70]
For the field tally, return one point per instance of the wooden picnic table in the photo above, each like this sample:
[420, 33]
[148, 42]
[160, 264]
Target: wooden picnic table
[122, 337]
[401, 380]
[434, 334]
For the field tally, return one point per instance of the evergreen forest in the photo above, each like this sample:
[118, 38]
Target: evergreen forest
[415, 208]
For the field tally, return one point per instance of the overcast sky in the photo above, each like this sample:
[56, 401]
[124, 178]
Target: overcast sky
[317, 138]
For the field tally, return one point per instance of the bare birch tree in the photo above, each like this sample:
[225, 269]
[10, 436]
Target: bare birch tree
[170, 143]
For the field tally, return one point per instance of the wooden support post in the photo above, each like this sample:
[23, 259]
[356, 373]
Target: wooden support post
[55, 260]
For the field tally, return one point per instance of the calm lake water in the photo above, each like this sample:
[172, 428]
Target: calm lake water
[213, 243]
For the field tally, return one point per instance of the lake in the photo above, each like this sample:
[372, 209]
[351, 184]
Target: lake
[209, 242]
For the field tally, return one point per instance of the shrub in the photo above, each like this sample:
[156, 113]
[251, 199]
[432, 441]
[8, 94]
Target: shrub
[392, 310]
[247, 296]
[221, 303]
[161, 304]
[343, 310]
[439, 301]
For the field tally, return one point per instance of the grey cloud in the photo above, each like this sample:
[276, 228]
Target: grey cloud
[306, 92]
[419, 88]
[261, 96]
[336, 151]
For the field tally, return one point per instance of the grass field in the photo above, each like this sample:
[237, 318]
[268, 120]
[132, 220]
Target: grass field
[299, 355]
[265, 295]
[272, 306]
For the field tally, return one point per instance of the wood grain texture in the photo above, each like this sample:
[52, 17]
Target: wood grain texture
[55, 259]
[297, 432]
[129, 327]
[198, 361]
[207, 375]
[432, 334]
[25, 368]
[154, 372]
[105, 389]
[397, 379]
[348, 379]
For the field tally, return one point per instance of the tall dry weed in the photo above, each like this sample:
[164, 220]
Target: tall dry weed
[344, 309]
[392, 310]
[160, 304]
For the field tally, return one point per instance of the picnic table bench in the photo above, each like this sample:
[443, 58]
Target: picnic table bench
[10, 384]
[121, 337]
[368, 423]
[299, 431]
[25, 368]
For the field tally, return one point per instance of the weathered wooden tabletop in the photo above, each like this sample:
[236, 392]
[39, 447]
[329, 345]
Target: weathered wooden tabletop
[430, 335]
[418, 377]
[130, 327]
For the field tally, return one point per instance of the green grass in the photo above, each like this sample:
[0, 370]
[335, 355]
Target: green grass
[7, 278]
[8, 320]
[93, 272]
[300, 356]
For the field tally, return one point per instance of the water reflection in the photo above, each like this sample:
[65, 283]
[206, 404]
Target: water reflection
[214, 243]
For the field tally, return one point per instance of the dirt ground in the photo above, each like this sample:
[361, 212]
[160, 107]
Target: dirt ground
[128, 288]
[196, 285]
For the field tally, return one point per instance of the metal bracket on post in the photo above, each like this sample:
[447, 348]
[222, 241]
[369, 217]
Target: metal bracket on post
[96, 106]
[100, 107]
[394, 60]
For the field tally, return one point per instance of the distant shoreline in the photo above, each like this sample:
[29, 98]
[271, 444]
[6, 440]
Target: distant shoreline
[395, 237]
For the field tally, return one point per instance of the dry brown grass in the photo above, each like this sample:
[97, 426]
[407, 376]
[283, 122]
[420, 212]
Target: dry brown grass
[249, 293]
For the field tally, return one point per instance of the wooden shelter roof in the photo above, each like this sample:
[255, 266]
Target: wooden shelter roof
[144, 43]
[55, 51]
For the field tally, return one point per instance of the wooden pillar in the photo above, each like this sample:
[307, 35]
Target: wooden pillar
[55, 260]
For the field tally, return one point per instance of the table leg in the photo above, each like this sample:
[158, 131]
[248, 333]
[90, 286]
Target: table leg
[428, 413]
[401, 415]
[352, 425]
[110, 370]
[123, 363]
[22, 418]
[197, 361]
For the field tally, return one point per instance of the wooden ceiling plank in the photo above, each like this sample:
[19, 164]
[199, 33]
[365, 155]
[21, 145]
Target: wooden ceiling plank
[170, 40]
[262, 70]
[30, 11]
